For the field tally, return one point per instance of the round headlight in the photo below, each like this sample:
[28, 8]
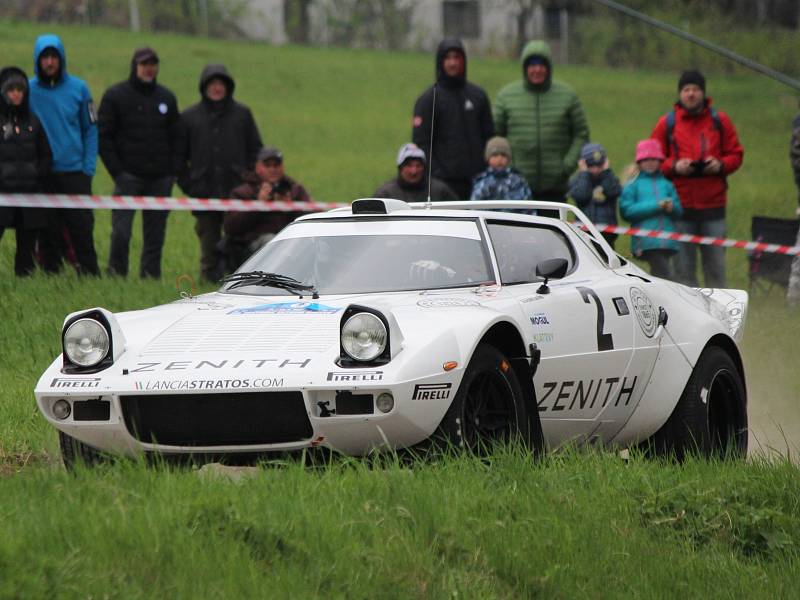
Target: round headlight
[364, 336]
[86, 342]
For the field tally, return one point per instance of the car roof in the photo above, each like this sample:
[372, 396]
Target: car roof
[569, 217]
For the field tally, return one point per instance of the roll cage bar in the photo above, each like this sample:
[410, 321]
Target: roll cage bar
[579, 219]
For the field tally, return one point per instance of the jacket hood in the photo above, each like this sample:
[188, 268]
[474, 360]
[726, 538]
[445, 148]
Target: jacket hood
[541, 49]
[135, 80]
[5, 74]
[444, 47]
[49, 40]
[219, 72]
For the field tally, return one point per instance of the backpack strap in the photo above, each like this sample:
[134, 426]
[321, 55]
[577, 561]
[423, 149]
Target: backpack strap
[670, 129]
[671, 143]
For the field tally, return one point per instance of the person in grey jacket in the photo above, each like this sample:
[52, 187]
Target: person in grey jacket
[595, 189]
[411, 183]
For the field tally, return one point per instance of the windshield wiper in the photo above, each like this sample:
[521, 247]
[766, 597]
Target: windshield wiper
[263, 278]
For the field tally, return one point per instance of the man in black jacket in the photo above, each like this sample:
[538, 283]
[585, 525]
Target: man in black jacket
[219, 142]
[25, 160]
[462, 122]
[138, 121]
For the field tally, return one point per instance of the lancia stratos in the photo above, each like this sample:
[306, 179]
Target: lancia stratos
[395, 325]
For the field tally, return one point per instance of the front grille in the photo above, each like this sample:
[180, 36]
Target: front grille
[229, 419]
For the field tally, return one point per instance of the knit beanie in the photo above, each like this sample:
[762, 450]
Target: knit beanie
[498, 145]
[594, 155]
[689, 77]
[409, 151]
[15, 80]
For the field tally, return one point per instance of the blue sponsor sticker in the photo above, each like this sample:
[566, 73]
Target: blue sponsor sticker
[287, 308]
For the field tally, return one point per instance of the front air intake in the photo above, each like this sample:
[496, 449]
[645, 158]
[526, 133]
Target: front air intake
[228, 419]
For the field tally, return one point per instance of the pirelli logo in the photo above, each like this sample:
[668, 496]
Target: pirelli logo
[432, 391]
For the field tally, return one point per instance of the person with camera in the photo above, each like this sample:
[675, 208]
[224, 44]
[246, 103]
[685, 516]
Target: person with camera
[245, 232]
[702, 149]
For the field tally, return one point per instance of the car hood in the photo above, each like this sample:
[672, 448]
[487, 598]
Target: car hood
[217, 324]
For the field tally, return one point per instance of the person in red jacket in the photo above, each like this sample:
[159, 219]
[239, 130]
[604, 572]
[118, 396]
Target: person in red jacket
[701, 148]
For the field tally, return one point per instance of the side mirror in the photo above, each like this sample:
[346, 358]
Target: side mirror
[550, 268]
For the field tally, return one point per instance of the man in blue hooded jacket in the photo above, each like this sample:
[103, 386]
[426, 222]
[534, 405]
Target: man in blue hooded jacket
[64, 105]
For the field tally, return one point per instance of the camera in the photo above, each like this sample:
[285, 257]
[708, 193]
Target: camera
[281, 188]
[697, 167]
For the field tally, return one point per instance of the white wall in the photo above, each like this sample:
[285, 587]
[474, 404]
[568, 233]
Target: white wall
[264, 21]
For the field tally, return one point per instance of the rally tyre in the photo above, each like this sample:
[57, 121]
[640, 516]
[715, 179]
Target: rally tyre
[74, 452]
[710, 419]
[489, 408]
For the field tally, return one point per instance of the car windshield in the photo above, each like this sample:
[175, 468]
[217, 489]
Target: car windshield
[358, 256]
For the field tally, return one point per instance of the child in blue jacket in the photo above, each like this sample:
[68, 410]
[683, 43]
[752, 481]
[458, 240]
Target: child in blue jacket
[595, 189]
[500, 181]
[650, 201]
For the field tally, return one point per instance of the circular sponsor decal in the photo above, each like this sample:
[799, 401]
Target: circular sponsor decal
[646, 313]
[162, 108]
[446, 302]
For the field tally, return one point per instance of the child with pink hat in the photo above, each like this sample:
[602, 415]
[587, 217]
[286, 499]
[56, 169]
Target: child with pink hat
[650, 201]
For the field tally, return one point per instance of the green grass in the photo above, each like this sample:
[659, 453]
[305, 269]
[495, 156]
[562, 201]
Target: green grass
[579, 524]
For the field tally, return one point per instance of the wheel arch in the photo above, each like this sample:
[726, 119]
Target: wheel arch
[728, 345]
[505, 336]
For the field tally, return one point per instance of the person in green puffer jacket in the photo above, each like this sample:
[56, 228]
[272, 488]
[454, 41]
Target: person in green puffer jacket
[545, 123]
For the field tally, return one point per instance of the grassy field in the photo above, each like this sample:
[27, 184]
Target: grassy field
[575, 525]
[587, 524]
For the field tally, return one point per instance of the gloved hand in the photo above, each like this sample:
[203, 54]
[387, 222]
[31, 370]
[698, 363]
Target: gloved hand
[430, 272]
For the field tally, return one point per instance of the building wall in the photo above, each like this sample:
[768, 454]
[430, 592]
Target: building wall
[265, 21]
[496, 24]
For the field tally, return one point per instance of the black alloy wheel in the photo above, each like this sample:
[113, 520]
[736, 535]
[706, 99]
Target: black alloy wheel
[489, 415]
[489, 408]
[710, 419]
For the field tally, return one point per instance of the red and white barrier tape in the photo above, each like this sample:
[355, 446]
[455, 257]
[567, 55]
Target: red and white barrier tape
[697, 239]
[205, 204]
[158, 203]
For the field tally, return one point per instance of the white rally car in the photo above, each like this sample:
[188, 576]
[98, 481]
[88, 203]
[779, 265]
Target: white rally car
[396, 325]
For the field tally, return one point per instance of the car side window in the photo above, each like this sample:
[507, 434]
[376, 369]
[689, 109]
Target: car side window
[519, 247]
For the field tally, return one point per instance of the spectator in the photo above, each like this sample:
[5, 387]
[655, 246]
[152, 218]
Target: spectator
[411, 183]
[500, 181]
[596, 189]
[701, 149]
[218, 143]
[24, 162]
[650, 201]
[544, 121]
[64, 105]
[246, 232]
[138, 121]
[793, 292]
[462, 121]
